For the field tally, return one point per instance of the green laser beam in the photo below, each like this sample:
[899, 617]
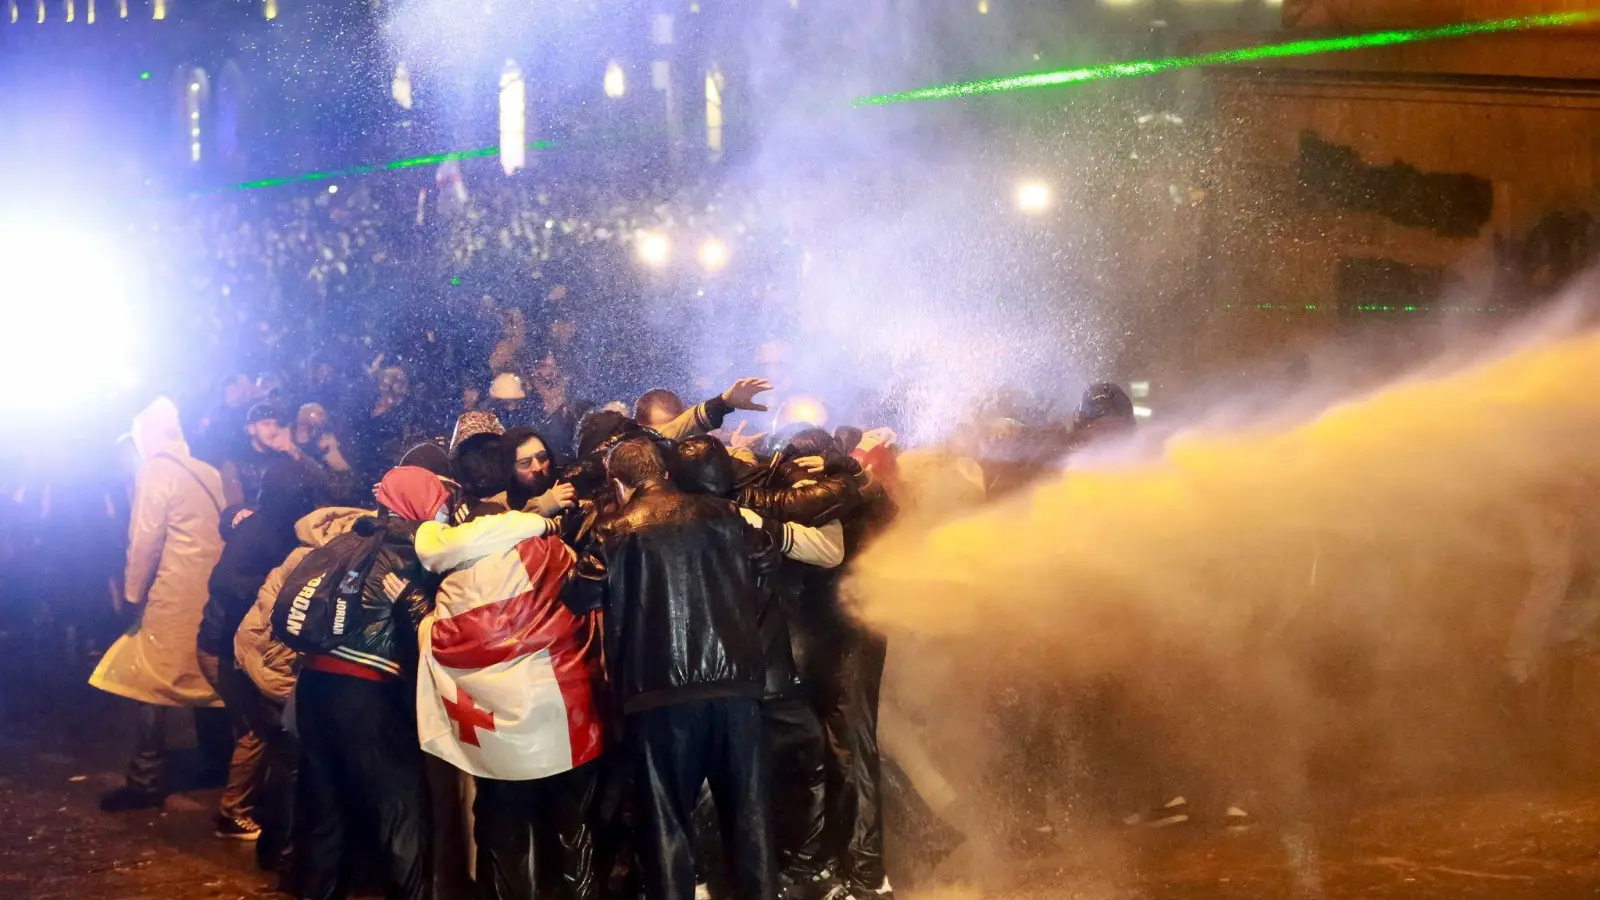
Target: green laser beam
[1225, 57]
[382, 167]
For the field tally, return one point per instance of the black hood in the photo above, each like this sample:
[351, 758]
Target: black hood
[430, 456]
[481, 465]
[597, 430]
[702, 465]
[288, 491]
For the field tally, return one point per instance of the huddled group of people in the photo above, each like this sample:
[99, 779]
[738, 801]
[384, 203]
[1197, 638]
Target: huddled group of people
[517, 644]
[603, 647]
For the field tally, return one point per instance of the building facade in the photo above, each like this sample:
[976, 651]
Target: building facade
[1456, 177]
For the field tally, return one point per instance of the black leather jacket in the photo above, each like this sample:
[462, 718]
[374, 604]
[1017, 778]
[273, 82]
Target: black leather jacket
[397, 594]
[798, 597]
[832, 494]
[676, 574]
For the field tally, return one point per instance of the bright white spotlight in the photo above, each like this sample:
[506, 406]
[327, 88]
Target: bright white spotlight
[713, 254]
[654, 249]
[1034, 196]
[615, 81]
[63, 283]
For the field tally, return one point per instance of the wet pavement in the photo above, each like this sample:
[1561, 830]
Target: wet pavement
[1524, 844]
[1544, 843]
[55, 843]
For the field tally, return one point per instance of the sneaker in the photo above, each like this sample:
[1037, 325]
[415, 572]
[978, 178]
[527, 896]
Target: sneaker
[807, 887]
[845, 891]
[1176, 812]
[238, 829]
[1236, 819]
[129, 798]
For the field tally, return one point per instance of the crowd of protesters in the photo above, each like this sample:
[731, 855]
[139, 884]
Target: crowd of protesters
[589, 641]
[590, 627]
[427, 273]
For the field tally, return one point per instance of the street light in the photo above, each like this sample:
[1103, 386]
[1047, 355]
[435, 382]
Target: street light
[615, 81]
[713, 254]
[654, 249]
[1034, 197]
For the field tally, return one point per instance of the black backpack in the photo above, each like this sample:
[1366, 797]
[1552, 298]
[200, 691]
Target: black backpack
[319, 606]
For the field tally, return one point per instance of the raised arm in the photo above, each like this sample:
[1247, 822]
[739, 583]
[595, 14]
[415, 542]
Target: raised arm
[442, 548]
[708, 416]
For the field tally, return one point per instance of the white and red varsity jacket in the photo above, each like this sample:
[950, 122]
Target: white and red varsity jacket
[509, 680]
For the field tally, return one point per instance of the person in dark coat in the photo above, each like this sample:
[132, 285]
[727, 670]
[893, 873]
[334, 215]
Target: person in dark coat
[268, 439]
[844, 662]
[795, 740]
[676, 575]
[255, 546]
[361, 781]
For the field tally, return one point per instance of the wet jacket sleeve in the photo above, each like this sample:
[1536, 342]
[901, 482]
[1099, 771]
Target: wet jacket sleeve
[585, 590]
[822, 547]
[147, 528]
[442, 548]
[812, 503]
[764, 547]
[269, 663]
[699, 419]
[414, 605]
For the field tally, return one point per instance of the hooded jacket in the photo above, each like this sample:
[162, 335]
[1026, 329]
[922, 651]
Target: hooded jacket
[270, 664]
[173, 544]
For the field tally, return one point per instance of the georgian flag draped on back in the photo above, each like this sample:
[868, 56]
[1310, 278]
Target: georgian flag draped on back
[508, 677]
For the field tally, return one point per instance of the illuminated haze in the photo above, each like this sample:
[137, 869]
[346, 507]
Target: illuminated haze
[924, 291]
[1330, 575]
[1316, 604]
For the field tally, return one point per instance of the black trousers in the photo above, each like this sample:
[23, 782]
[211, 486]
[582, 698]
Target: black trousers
[147, 769]
[452, 869]
[848, 678]
[361, 785]
[798, 747]
[674, 749]
[537, 838]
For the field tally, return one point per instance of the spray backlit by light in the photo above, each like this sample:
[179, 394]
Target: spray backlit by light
[69, 313]
[1314, 46]
[800, 411]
